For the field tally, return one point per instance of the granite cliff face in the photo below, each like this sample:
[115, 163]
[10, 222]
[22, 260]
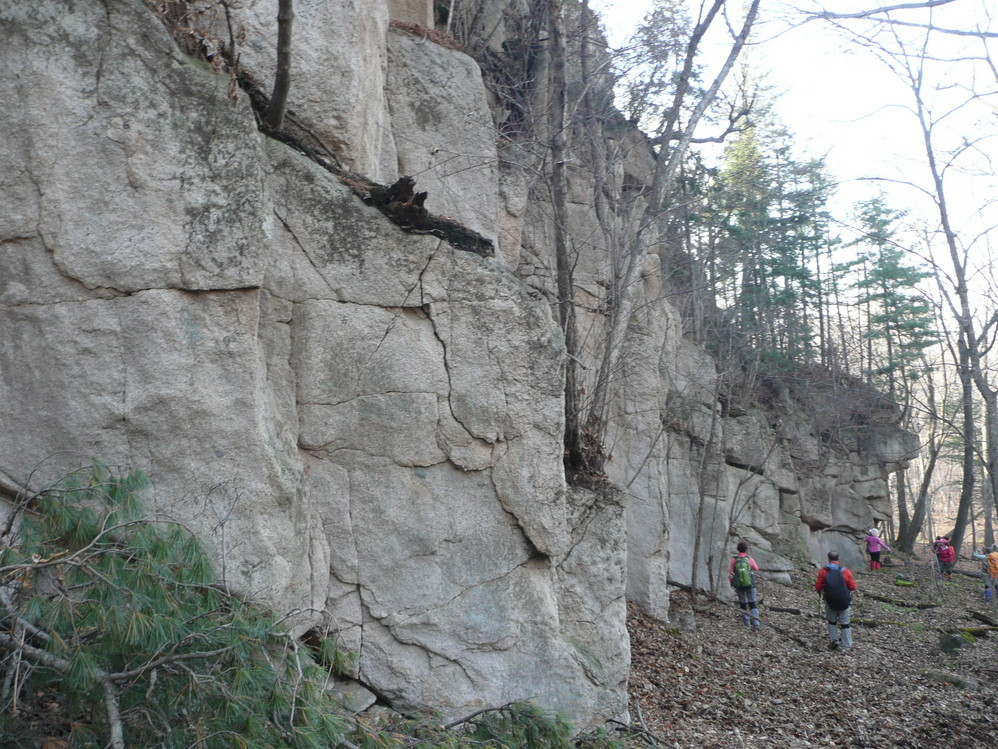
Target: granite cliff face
[365, 424]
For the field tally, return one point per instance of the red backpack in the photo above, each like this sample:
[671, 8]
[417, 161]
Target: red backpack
[947, 554]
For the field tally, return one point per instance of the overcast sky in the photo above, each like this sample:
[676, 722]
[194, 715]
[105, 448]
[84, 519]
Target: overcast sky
[837, 100]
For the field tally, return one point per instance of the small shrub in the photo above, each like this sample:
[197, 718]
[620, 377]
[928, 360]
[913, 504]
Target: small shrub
[115, 619]
[113, 633]
[518, 725]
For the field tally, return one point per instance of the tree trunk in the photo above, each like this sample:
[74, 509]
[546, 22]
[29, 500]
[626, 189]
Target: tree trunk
[989, 511]
[274, 115]
[967, 482]
[907, 537]
[969, 346]
[574, 454]
[902, 500]
[708, 454]
[665, 171]
[990, 397]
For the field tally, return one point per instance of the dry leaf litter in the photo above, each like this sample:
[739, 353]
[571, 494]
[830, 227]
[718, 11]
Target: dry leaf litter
[723, 684]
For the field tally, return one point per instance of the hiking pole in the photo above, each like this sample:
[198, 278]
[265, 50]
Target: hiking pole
[821, 612]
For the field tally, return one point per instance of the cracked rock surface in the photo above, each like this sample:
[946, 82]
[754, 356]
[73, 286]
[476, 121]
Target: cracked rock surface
[364, 424]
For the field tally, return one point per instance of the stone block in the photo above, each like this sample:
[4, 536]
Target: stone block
[419, 12]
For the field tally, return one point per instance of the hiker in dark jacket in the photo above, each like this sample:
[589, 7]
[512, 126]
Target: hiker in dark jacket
[836, 583]
[744, 584]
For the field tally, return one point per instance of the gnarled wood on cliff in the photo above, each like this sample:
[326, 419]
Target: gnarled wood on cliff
[398, 201]
[404, 206]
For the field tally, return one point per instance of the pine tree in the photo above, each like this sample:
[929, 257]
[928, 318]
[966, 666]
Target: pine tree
[899, 318]
[772, 209]
[119, 619]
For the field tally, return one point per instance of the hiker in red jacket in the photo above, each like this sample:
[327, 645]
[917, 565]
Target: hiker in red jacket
[946, 555]
[836, 583]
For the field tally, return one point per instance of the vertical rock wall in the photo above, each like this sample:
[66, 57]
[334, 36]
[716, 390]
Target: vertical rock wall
[366, 424]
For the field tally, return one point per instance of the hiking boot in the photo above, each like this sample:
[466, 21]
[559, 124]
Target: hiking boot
[833, 645]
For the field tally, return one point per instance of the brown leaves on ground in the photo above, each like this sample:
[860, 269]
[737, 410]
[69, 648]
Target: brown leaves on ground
[725, 685]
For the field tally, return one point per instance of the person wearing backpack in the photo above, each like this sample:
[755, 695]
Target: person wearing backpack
[835, 583]
[946, 555]
[741, 575]
[989, 571]
[874, 545]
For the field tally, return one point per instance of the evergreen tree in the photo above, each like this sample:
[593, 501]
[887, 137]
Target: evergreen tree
[118, 618]
[772, 210]
[899, 318]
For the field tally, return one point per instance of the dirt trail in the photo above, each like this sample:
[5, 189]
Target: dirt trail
[725, 685]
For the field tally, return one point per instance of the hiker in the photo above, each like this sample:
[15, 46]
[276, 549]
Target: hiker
[989, 571]
[874, 545]
[836, 583]
[741, 575]
[946, 555]
[938, 544]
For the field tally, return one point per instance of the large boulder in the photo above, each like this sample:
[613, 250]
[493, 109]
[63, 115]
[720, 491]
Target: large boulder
[338, 73]
[364, 425]
[444, 134]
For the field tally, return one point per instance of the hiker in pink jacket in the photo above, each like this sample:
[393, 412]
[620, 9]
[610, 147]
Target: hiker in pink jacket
[874, 545]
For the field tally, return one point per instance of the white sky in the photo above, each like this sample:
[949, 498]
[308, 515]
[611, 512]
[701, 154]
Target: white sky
[839, 102]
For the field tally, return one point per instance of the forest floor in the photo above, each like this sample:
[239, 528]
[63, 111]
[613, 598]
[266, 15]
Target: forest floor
[722, 684]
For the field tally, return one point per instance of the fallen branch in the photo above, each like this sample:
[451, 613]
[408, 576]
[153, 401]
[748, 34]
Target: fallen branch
[948, 678]
[107, 679]
[896, 602]
[648, 737]
[975, 631]
[784, 610]
[785, 633]
[63, 666]
[877, 622]
[983, 618]
[483, 711]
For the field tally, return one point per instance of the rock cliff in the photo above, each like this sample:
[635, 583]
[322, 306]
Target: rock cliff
[366, 424]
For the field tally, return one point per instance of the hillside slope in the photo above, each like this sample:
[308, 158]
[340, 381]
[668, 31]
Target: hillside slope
[724, 685]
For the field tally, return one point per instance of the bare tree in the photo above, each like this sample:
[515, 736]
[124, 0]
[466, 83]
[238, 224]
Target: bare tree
[674, 137]
[944, 86]
[274, 114]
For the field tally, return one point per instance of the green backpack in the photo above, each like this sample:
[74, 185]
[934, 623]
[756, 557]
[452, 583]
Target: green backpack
[743, 573]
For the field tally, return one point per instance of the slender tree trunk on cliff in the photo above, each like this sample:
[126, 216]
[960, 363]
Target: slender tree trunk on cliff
[708, 455]
[989, 511]
[669, 158]
[990, 398]
[274, 115]
[574, 453]
[904, 520]
[606, 190]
